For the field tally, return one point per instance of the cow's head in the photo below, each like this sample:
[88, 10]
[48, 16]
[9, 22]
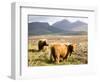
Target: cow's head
[71, 48]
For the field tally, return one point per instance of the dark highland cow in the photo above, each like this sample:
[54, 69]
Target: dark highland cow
[41, 44]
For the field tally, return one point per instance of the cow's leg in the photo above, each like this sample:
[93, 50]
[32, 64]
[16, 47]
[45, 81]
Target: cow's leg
[57, 59]
[65, 58]
[51, 58]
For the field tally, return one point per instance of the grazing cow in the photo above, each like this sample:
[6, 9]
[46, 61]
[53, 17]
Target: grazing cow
[41, 44]
[59, 51]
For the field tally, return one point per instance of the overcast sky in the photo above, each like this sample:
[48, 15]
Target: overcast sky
[51, 20]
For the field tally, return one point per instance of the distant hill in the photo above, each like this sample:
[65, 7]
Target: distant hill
[63, 24]
[38, 28]
[63, 27]
[68, 26]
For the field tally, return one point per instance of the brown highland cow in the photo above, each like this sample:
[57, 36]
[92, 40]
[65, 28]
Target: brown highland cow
[61, 51]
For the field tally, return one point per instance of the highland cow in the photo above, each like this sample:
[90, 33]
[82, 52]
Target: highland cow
[41, 44]
[59, 51]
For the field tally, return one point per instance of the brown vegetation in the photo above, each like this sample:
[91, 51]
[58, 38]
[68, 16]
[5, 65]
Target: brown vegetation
[42, 58]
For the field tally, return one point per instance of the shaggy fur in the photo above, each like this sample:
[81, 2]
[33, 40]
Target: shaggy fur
[41, 44]
[59, 51]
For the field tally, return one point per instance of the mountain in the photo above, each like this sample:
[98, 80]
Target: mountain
[63, 24]
[79, 26]
[41, 28]
[69, 26]
[63, 27]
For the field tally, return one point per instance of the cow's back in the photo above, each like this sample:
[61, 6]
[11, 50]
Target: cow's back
[59, 49]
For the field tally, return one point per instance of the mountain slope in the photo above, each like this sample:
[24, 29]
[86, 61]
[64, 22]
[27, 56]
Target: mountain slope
[39, 28]
[63, 24]
[63, 27]
[68, 26]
